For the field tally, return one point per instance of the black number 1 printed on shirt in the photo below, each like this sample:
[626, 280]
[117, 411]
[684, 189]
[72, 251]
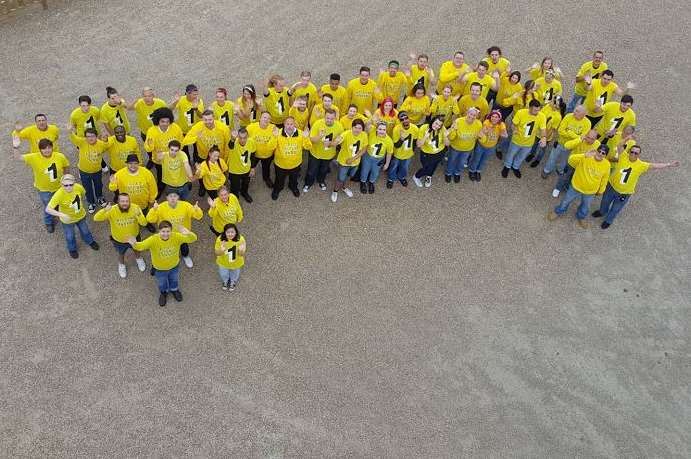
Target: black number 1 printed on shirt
[377, 149]
[245, 156]
[625, 174]
[118, 117]
[434, 141]
[189, 114]
[529, 129]
[232, 253]
[90, 123]
[408, 142]
[225, 118]
[52, 172]
[76, 204]
[355, 147]
[280, 105]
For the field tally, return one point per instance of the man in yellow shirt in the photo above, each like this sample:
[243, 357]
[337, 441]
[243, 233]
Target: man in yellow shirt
[68, 205]
[579, 145]
[223, 109]
[463, 135]
[120, 147]
[290, 144]
[590, 178]
[392, 83]
[572, 126]
[600, 91]
[451, 73]
[40, 130]
[85, 116]
[323, 134]
[48, 167]
[615, 117]
[264, 135]
[405, 136]
[320, 109]
[176, 170]
[361, 92]
[420, 73]
[138, 183]
[497, 63]
[628, 168]
[473, 100]
[528, 123]
[592, 68]
[165, 259]
[158, 139]
[91, 150]
[305, 88]
[336, 91]
[144, 107]
[125, 219]
[547, 87]
[489, 82]
[205, 134]
[179, 213]
[241, 148]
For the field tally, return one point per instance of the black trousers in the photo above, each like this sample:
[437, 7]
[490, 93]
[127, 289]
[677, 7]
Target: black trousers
[266, 166]
[281, 174]
[316, 169]
[239, 183]
[429, 163]
[193, 155]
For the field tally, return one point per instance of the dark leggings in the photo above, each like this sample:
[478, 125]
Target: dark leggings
[429, 163]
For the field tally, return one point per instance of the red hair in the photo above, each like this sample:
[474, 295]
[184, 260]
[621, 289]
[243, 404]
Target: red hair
[393, 111]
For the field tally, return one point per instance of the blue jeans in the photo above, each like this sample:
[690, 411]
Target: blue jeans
[565, 179]
[93, 184]
[575, 100]
[503, 144]
[537, 151]
[479, 158]
[229, 275]
[345, 171]
[71, 238]
[515, 156]
[569, 197]
[398, 169]
[370, 168]
[556, 160]
[182, 191]
[45, 196]
[167, 280]
[457, 161]
[612, 203]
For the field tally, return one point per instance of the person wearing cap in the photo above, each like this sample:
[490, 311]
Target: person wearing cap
[158, 139]
[224, 109]
[48, 167]
[91, 150]
[190, 107]
[179, 213]
[323, 135]
[463, 136]
[165, 248]
[591, 171]
[40, 130]
[547, 87]
[305, 88]
[144, 107]
[391, 83]
[379, 146]
[120, 147]
[432, 141]
[125, 219]
[338, 93]
[290, 144]
[248, 106]
[405, 135]
[627, 169]
[493, 128]
[67, 203]
[264, 134]
[176, 169]
[579, 145]
[138, 182]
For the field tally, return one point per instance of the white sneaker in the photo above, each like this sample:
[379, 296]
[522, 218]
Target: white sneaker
[225, 286]
[91, 208]
[141, 264]
[188, 261]
[322, 186]
[348, 192]
[334, 196]
[122, 270]
[105, 169]
[428, 181]
[555, 193]
[305, 189]
[417, 181]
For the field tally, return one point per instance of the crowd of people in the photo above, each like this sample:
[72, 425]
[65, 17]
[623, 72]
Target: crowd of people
[459, 117]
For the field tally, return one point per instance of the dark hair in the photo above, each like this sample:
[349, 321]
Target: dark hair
[394, 61]
[326, 94]
[560, 104]
[191, 87]
[40, 114]
[607, 72]
[44, 143]
[493, 48]
[359, 122]
[483, 64]
[90, 131]
[226, 228]
[160, 113]
[212, 149]
[110, 91]
[534, 103]
[528, 85]
[515, 72]
[329, 111]
[475, 83]
[627, 99]
[242, 130]
[174, 143]
[459, 52]
[352, 106]
[417, 87]
[423, 56]
[164, 224]
[335, 76]
[638, 147]
[364, 68]
[208, 112]
[437, 118]
[86, 99]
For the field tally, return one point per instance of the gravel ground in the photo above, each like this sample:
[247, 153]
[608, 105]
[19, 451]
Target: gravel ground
[444, 322]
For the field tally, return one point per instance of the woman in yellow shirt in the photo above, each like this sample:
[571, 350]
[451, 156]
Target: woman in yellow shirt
[517, 101]
[443, 105]
[353, 144]
[493, 129]
[538, 70]
[432, 142]
[277, 100]
[510, 90]
[230, 250]
[554, 112]
[213, 172]
[247, 106]
[417, 106]
[379, 146]
[386, 113]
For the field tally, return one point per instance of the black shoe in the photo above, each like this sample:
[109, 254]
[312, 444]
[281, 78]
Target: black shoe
[604, 225]
[535, 163]
[177, 295]
[74, 254]
[50, 227]
[516, 172]
[499, 154]
[370, 188]
[363, 188]
[274, 195]
[150, 228]
[94, 245]
[202, 191]
[471, 176]
[478, 176]
[447, 178]
[529, 158]
[596, 214]
[296, 192]
[456, 179]
[505, 172]
[152, 271]
[162, 299]
[246, 196]
[389, 185]
[269, 183]
[404, 182]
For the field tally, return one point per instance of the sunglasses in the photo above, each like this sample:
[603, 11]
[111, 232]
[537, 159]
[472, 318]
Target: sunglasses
[68, 184]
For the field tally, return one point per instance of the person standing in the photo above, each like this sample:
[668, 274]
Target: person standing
[144, 107]
[432, 142]
[392, 83]
[91, 150]
[204, 135]
[451, 74]
[48, 167]
[493, 128]
[248, 107]
[528, 123]
[323, 135]
[379, 146]
[67, 204]
[473, 100]
[361, 92]
[417, 106]
[353, 143]
[114, 112]
[158, 139]
[40, 130]
[277, 100]
[481, 75]
[138, 183]
[190, 108]
[230, 248]
[573, 126]
[165, 248]
[120, 147]
[599, 92]
[176, 170]
[616, 116]
[405, 134]
[628, 168]
[125, 219]
[241, 148]
[223, 109]
[223, 210]
[288, 157]
[305, 88]
[85, 116]
[463, 136]
[579, 145]
[264, 134]
[338, 93]
[592, 69]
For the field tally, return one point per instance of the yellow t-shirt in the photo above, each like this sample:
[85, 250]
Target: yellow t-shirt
[187, 113]
[289, 149]
[581, 88]
[115, 116]
[34, 135]
[590, 176]
[507, 90]
[144, 111]
[501, 66]
[264, 139]
[419, 76]
[545, 92]
[404, 148]
[600, 93]
[165, 255]
[181, 214]
[339, 95]
[616, 140]
[580, 147]
[174, 170]
[157, 140]
[613, 118]
[417, 109]
[70, 203]
[205, 138]
[252, 110]
[301, 118]
[141, 186]
[318, 113]
[570, 128]
[491, 138]
[330, 133]
[90, 156]
[309, 91]
[347, 123]
[240, 156]
[527, 127]
[123, 225]
[449, 75]
[391, 86]
[361, 95]
[379, 147]
[465, 135]
[435, 143]
[118, 151]
[82, 121]
[277, 104]
[47, 171]
[223, 213]
[350, 146]
[213, 176]
[390, 120]
[231, 259]
[625, 174]
[466, 102]
[224, 114]
[487, 81]
[552, 120]
[443, 107]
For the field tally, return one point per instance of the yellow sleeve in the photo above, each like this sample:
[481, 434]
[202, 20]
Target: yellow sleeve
[564, 131]
[149, 144]
[144, 245]
[152, 216]
[75, 139]
[112, 186]
[153, 187]
[238, 206]
[306, 143]
[101, 215]
[188, 238]
[212, 211]
[573, 143]
[24, 133]
[575, 160]
[190, 138]
[197, 214]
[603, 183]
[141, 218]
